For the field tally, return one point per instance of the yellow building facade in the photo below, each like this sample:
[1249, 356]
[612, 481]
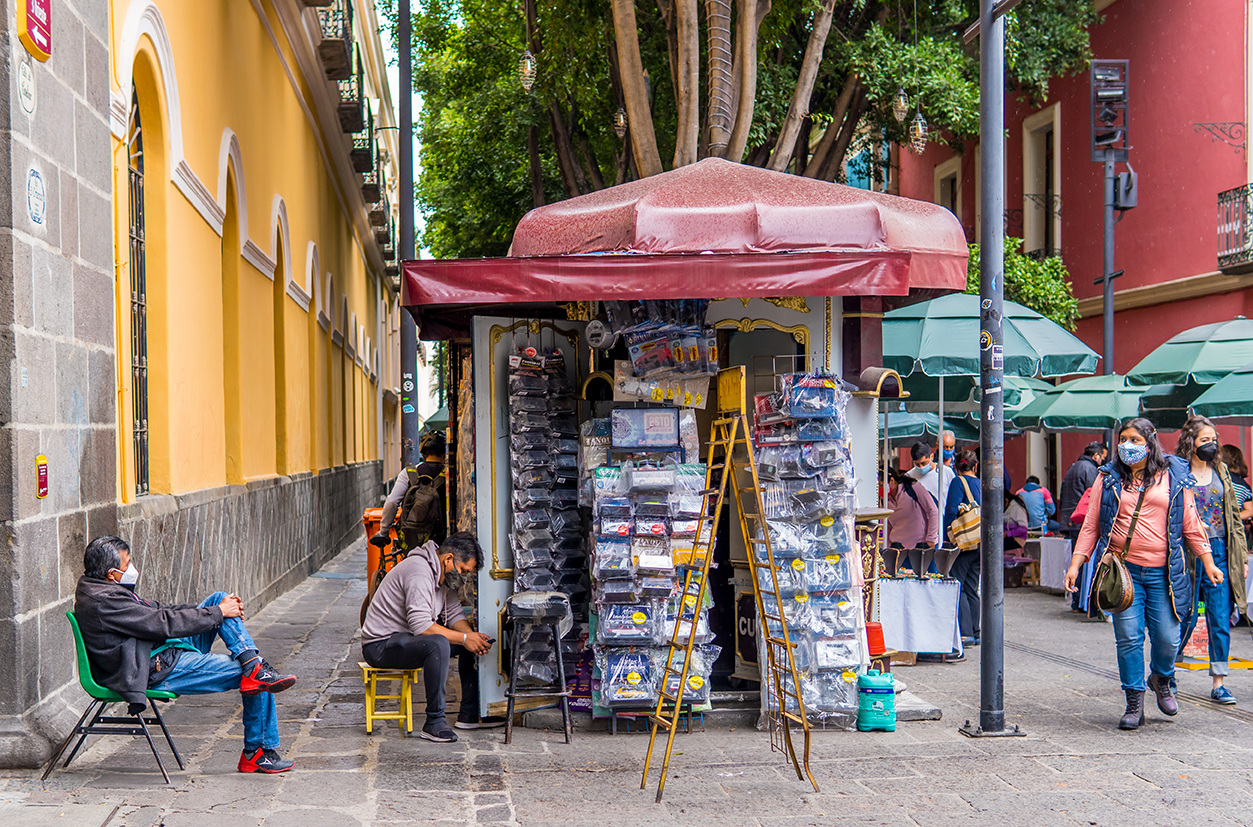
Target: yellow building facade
[266, 291]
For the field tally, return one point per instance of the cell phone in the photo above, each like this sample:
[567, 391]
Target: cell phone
[491, 641]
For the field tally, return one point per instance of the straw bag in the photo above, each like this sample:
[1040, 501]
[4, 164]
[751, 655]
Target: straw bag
[964, 531]
[1112, 589]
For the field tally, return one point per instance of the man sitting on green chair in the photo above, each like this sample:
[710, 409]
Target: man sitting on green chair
[135, 644]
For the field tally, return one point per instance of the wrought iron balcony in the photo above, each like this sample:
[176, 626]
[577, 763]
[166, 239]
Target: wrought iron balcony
[351, 112]
[1235, 237]
[335, 50]
[364, 149]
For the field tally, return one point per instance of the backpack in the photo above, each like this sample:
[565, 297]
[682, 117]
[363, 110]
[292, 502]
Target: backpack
[422, 510]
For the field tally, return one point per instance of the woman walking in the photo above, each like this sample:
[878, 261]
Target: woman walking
[964, 489]
[1142, 509]
[1218, 502]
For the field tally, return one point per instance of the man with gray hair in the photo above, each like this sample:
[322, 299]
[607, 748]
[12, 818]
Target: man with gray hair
[135, 644]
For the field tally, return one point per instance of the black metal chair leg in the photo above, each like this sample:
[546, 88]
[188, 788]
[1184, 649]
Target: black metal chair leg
[56, 756]
[514, 642]
[153, 747]
[561, 682]
[95, 719]
[166, 732]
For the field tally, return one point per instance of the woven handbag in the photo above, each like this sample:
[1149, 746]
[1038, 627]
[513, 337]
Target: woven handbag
[1112, 589]
[964, 531]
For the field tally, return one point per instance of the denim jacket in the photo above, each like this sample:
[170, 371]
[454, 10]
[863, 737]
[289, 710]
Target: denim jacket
[1178, 580]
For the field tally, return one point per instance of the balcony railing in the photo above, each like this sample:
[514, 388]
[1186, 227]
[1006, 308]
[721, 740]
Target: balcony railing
[364, 149]
[1235, 241]
[335, 50]
[351, 112]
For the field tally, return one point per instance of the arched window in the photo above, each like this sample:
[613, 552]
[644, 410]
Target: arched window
[139, 296]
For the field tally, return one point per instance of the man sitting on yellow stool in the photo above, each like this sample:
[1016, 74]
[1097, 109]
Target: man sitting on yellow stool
[415, 621]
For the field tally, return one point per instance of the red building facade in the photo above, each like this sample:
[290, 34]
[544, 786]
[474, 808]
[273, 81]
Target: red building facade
[1189, 104]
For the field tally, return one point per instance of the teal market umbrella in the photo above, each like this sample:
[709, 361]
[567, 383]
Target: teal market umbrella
[437, 421]
[961, 393]
[1166, 406]
[1092, 403]
[904, 426]
[1230, 399]
[1202, 354]
[940, 337]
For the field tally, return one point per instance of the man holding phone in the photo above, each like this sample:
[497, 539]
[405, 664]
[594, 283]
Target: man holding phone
[415, 621]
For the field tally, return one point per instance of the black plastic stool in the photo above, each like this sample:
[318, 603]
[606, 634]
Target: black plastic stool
[556, 608]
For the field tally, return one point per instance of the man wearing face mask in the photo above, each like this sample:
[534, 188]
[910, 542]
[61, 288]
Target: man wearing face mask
[935, 478]
[135, 644]
[415, 621]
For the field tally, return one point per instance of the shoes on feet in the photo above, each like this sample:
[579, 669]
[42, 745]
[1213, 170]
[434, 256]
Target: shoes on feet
[486, 722]
[439, 734]
[1134, 716]
[264, 760]
[970, 640]
[263, 678]
[1165, 697]
[1222, 695]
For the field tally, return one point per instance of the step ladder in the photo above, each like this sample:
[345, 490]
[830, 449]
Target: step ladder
[731, 450]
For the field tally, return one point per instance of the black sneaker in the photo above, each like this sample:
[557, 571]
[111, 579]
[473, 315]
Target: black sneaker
[487, 722]
[263, 678]
[440, 734]
[264, 760]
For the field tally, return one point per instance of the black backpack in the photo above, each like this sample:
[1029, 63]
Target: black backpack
[422, 510]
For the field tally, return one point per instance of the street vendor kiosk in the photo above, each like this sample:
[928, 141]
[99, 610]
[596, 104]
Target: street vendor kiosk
[582, 399]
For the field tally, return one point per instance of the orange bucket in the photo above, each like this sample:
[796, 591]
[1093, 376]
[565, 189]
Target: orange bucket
[371, 519]
[874, 638]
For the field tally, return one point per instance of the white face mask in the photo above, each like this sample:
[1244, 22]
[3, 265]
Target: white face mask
[131, 576]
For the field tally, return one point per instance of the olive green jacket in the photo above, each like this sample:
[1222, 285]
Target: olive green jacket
[1237, 547]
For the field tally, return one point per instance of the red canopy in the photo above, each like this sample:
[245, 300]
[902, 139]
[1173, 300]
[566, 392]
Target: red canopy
[711, 229]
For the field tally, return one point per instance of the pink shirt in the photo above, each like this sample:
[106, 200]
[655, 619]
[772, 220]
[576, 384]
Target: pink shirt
[913, 523]
[1149, 544]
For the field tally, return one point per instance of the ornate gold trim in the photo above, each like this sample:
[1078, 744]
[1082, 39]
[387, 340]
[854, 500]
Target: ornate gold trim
[796, 303]
[863, 314]
[600, 374]
[495, 334]
[799, 332]
[577, 311]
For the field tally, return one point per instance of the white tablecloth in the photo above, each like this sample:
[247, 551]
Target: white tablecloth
[919, 615]
[1054, 556]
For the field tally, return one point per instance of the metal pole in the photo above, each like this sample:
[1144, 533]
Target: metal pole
[408, 327]
[991, 364]
[1107, 313]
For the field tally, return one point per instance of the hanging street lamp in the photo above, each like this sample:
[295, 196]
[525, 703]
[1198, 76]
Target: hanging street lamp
[900, 106]
[620, 122]
[918, 133]
[527, 66]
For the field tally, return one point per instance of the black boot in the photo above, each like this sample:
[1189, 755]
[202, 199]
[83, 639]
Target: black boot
[1134, 716]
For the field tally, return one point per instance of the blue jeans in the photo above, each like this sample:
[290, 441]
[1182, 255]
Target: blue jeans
[1152, 611]
[1218, 606]
[201, 673]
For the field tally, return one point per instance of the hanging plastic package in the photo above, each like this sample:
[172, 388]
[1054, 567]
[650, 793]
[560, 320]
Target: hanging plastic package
[636, 624]
[836, 654]
[628, 677]
[697, 686]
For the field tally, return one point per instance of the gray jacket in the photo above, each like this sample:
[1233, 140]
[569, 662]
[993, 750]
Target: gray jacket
[411, 598]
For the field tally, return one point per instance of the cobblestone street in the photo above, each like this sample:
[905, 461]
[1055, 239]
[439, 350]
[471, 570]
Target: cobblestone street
[1073, 768]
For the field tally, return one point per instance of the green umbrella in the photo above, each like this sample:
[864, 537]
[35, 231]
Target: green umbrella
[1229, 399]
[940, 337]
[1093, 403]
[906, 426]
[1167, 405]
[961, 393]
[437, 421]
[1202, 354]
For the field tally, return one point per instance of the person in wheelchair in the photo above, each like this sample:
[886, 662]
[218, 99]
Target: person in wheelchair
[135, 644]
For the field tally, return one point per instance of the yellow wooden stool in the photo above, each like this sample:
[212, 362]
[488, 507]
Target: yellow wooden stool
[403, 716]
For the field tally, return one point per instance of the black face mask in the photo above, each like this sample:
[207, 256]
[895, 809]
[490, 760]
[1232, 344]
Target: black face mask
[1207, 452]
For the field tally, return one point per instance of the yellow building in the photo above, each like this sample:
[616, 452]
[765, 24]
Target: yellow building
[255, 256]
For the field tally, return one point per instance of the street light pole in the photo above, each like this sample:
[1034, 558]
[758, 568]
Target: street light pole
[408, 327]
[991, 372]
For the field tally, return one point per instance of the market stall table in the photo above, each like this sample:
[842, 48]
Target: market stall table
[1054, 556]
[919, 615]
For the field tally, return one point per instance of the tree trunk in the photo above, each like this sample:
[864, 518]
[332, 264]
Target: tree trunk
[798, 109]
[537, 172]
[827, 141]
[721, 105]
[835, 159]
[667, 10]
[631, 70]
[571, 175]
[749, 17]
[588, 155]
[801, 153]
[687, 92]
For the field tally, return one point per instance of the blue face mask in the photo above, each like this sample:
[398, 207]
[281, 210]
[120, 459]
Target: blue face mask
[949, 453]
[1132, 452]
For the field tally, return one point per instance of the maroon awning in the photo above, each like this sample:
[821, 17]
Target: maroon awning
[709, 230]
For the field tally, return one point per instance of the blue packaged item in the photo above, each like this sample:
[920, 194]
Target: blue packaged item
[827, 577]
[811, 395]
[634, 624]
[628, 677]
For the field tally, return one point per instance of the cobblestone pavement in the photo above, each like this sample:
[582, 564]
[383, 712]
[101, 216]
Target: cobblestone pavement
[1073, 768]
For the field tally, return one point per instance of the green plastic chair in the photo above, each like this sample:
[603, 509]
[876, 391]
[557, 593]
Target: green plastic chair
[101, 724]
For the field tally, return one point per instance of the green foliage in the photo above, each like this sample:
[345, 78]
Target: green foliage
[1041, 284]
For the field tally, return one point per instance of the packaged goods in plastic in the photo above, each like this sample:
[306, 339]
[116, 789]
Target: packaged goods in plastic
[533, 538]
[652, 526]
[616, 526]
[565, 496]
[613, 558]
[789, 573]
[523, 385]
[811, 395]
[528, 404]
[560, 385]
[689, 437]
[522, 422]
[614, 507]
[644, 429]
[628, 677]
[607, 481]
[819, 430]
[565, 522]
[646, 478]
[833, 615]
[687, 506]
[652, 505]
[619, 591]
[594, 440]
[524, 460]
[531, 518]
[524, 498]
[653, 587]
[633, 624]
[544, 607]
[534, 478]
[696, 688]
[835, 692]
[563, 426]
[827, 578]
[684, 528]
[680, 629]
[527, 558]
[796, 612]
[544, 579]
[836, 653]
[564, 445]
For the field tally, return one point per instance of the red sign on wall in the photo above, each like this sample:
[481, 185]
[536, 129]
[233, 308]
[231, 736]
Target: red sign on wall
[34, 27]
[41, 476]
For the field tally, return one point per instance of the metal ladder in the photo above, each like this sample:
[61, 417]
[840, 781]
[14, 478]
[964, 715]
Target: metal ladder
[730, 431]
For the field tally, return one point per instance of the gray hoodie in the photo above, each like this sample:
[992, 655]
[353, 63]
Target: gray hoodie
[411, 598]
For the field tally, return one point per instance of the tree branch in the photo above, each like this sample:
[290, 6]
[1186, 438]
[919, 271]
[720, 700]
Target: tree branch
[798, 109]
[631, 71]
[833, 129]
[749, 17]
[687, 90]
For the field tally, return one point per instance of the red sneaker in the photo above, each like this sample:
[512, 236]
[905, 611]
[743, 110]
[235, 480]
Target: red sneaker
[264, 760]
[263, 678]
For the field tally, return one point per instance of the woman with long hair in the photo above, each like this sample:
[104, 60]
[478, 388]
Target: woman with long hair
[1218, 502]
[1142, 509]
[964, 489]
